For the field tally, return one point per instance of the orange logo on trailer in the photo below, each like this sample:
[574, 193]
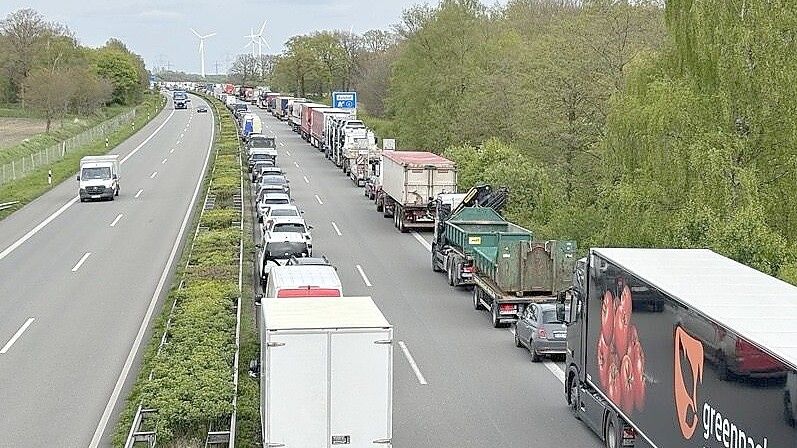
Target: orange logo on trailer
[690, 350]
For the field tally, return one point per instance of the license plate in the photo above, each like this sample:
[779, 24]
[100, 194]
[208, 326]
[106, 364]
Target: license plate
[559, 335]
[95, 196]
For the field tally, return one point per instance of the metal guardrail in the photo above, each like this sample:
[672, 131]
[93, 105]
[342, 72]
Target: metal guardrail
[18, 169]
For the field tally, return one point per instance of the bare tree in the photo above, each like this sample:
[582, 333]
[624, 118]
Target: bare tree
[244, 69]
[49, 92]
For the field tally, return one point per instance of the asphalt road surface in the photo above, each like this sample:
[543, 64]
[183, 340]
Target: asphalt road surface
[81, 280]
[458, 382]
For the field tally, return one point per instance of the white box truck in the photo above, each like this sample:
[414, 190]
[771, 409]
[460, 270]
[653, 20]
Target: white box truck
[99, 177]
[410, 181]
[326, 373]
[303, 281]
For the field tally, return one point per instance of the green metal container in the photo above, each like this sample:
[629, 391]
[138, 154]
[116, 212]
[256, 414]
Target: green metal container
[475, 227]
[527, 268]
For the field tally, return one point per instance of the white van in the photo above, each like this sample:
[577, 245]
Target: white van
[303, 281]
[99, 177]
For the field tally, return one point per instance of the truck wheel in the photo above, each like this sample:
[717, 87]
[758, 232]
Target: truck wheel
[611, 434]
[477, 305]
[379, 206]
[449, 275]
[518, 344]
[401, 226]
[573, 396]
[495, 316]
[435, 267]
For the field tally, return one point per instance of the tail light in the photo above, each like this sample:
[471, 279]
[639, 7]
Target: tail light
[468, 269]
[507, 308]
[542, 334]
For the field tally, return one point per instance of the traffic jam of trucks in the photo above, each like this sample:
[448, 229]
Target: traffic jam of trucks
[659, 347]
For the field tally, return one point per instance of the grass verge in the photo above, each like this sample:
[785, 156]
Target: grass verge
[35, 184]
[191, 385]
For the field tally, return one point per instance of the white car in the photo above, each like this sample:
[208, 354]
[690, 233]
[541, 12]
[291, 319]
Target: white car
[263, 207]
[277, 250]
[273, 225]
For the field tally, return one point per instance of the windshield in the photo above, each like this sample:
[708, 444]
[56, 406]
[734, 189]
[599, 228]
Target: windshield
[288, 227]
[274, 180]
[549, 317]
[285, 249]
[274, 201]
[257, 157]
[262, 143]
[101, 173]
[284, 212]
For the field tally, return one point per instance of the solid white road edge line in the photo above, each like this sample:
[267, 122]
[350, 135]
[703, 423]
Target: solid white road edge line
[63, 208]
[163, 162]
[16, 335]
[362, 274]
[337, 230]
[139, 193]
[171, 151]
[412, 362]
[115, 221]
[117, 390]
[287, 153]
[306, 180]
[423, 242]
[81, 261]
[154, 173]
[320, 202]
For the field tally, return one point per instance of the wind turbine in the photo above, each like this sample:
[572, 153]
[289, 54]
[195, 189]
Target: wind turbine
[202, 48]
[252, 41]
[261, 40]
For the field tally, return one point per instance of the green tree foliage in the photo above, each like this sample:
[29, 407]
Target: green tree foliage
[121, 67]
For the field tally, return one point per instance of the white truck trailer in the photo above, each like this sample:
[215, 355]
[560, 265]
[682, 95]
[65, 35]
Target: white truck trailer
[410, 181]
[326, 373]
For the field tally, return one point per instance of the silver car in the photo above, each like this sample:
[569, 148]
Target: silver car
[540, 332]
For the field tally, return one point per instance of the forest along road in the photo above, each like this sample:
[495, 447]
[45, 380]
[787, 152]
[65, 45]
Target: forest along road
[79, 279]
[458, 382]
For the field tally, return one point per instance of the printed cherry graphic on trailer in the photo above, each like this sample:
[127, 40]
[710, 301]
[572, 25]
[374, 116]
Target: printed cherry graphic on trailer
[620, 357]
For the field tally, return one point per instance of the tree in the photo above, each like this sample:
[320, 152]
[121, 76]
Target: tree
[244, 69]
[49, 92]
[118, 68]
[22, 31]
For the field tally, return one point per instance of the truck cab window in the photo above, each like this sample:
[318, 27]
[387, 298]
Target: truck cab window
[103, 173]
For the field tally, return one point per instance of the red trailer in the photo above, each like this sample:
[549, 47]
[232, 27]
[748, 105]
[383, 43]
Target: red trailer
[317, 123]
[306, 118]
[229, 89]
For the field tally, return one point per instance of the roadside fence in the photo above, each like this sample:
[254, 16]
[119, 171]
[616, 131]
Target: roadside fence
[20, 168]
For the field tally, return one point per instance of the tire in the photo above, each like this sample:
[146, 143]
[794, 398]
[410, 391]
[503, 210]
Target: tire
[449, 274]
[573, 397]
[117, 191]
[535, 357]
[435, 267]
[112, 197]
[401, 226]
[380, 207]
[518, 344]
[477, 305]
[611, 435]
[82, 200]
[494, 316]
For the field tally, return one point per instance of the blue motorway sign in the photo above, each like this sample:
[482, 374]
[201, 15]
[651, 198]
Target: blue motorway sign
[344, 100]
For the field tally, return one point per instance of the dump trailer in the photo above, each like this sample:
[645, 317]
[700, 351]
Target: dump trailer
[463, 221]
[516, 271]
[326, 373]
[680, 348]
[410, 180]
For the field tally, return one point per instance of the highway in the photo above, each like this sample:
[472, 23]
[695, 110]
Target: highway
[458, 382]
[82, 280]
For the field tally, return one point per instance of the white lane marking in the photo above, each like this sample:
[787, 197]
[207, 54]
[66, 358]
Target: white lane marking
[362, 274]
[178, 142]
[115, 221]
[555, 369]
[81, 261]
[412, 362]
[16, 335]
[320, 202]
[287, 153]
[282, 143]
[147, 139]
[117, 390]
[181, 136]
[163, 162]
[337, 230]
[306, 180]
[36, 229]
[171, 151]
[297, 164]
[139, 193]
[72, 202]
[154, 173]
[423, 242]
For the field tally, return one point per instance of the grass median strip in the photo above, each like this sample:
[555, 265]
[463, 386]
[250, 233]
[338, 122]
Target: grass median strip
[189, 379]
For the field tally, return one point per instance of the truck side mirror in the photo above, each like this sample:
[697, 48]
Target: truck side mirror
[560, 311]
[78, 178]
[254, 368]
[115, 177]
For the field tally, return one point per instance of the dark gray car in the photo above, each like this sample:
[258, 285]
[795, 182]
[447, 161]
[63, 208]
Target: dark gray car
[540, 332]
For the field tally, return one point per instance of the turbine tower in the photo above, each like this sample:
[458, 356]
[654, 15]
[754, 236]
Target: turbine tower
[252, 42]
[202, 48]
[261, 40]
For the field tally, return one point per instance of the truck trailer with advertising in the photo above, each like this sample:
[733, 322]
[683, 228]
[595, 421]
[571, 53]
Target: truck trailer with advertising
[326, 373]
[681, 348]
[410, 180]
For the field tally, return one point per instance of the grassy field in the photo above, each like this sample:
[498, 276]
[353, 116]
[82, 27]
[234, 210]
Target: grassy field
[22, 135]
[35, 184]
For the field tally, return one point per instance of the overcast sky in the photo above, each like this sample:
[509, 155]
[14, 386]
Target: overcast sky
[159, 29]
